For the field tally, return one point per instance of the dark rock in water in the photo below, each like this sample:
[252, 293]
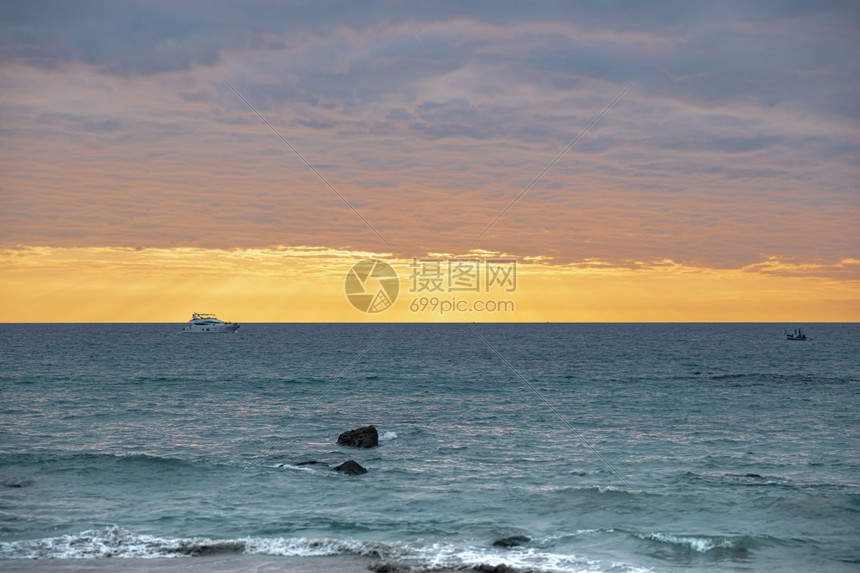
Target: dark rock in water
[351, 468]
[512, 541]
[364, 437]
[18, 482]
[195, 549]
[348, 467]
[483, 568]
[756, 476]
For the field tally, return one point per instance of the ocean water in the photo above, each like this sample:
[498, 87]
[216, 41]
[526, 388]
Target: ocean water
[622, 448]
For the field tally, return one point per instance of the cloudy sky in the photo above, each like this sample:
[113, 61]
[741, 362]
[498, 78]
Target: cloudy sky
[734, 148]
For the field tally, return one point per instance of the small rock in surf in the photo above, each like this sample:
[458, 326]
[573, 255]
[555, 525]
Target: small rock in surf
[501, 568]
[350, 467]
[364, 437]
[512, 541]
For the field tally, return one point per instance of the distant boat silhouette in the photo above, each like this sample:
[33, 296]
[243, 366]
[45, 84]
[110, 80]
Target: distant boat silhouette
[796, 335]
[204, 322]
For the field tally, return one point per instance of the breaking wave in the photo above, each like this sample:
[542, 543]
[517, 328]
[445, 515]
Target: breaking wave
[701, 544]
[117, 542]
[712, 546]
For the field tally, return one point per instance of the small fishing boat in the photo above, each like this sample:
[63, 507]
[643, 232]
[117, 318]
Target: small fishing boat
[796, 335]
[204, 322]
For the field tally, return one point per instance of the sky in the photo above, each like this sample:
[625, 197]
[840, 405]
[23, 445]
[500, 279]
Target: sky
[661, 161]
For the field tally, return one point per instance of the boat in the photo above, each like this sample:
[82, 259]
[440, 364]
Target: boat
[796, 335]
[205, 322]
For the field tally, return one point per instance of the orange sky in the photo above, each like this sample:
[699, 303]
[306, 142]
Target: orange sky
[135, 184]
[307, 285]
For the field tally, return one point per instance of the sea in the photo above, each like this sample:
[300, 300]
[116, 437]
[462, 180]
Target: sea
[502, 447]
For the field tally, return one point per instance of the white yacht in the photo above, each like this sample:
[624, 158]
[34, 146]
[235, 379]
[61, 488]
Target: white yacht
[203, 322]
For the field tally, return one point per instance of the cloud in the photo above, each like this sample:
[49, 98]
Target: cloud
[736, 143]
[121, 39]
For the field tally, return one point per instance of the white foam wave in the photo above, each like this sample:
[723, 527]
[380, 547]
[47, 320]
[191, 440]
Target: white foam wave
[388, 436]
[577, 533]
[699, 544]
[112, 542]
[117, 542]
[320, 469]
[451, 556]
[304, 547]
[614, 489]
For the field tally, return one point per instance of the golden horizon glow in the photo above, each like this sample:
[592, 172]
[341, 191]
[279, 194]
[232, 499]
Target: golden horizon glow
[306, 284]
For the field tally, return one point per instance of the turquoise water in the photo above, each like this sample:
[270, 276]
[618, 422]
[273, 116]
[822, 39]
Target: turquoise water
[610, 447]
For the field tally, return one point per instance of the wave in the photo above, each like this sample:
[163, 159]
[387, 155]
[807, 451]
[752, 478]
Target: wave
[735, 547]
[753, 375]
[771, 377]
[683, 547]
[76, 459]
[599, 494]
[312, 468]
[118, 542]
[17, 482]
[696, 543]
[416, 557]
[752, 479]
